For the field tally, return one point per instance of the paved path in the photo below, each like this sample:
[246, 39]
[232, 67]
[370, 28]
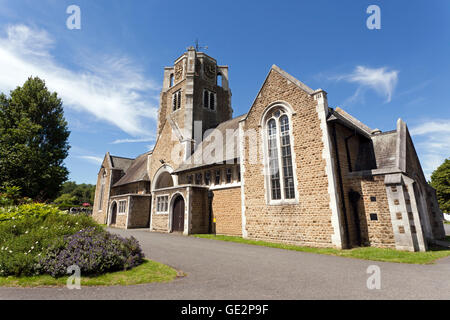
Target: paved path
[222, 270]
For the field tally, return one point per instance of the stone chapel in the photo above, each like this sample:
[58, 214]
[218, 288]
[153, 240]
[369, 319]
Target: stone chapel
[292, 170]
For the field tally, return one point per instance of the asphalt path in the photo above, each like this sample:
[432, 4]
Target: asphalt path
[225, 270]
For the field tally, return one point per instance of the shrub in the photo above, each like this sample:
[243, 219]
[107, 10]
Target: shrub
[23, 241]
[10, 196]
[38, 238]
[93, 251]
[35, 210]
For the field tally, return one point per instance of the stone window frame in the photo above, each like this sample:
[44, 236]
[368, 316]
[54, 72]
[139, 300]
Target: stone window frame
[217, 176]
[198, 178]
[228, 175]
[166, 203]
[207, 177]
[122, 205]
[266, 117]
[208, 106]
[102, 189]
[176, 100]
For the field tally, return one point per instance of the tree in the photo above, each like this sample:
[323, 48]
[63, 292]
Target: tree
[74, 194]
[33, 140]
[440, 180]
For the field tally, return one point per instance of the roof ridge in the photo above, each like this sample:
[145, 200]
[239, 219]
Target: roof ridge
[292, 79]
[122, 157]
[353, 120]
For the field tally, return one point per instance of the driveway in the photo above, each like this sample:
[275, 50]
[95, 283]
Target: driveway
[223, 270]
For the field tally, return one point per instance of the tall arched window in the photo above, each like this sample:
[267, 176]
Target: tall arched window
[279, 156]
[274, 168]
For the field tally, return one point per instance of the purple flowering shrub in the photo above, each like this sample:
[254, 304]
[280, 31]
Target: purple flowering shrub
[94, 251]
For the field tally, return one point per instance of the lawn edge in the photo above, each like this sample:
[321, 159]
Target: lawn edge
[177, 274]
[275, 245]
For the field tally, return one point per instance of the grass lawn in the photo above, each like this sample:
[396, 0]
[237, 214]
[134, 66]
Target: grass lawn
[366, 253]
[147, 272]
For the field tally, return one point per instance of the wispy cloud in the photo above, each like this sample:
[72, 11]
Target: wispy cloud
[92, 159]
[111, 89]
[381, 80]
[433, 143]
[119, 141]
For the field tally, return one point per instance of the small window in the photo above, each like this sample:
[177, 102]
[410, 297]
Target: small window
[162, 204]
[207, 178]
[190, 179]
[171, 81]
[100, 205]
[238, 171]
[373, 217]
[123, 206]
[229, 175]
[217, 179]
[176, 100]
[373, 199]
[209, 100]
[198, 178]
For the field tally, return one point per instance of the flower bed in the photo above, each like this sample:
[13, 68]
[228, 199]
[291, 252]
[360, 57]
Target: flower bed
[39, 239]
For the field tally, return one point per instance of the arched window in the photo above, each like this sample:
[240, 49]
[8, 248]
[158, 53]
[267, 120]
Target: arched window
[279, 156]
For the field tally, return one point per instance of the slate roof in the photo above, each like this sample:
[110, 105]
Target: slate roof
[137, 171]
[121, 163]
[385, 149]
[384, 143]
[224, 149]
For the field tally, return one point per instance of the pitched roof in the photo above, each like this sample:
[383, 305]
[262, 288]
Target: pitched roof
[385, 149]
[385, 144]
[121, 163]
[136, 172]
[349, 121]
[223, 149]
[287, 76]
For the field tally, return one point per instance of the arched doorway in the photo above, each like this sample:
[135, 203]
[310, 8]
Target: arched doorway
[113, 213]
[178, 214]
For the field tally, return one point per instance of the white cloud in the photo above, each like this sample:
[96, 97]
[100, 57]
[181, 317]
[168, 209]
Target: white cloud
[119, 141]
[382, 80]
[91, 159]
[437, 126]
[111, 89]
[433, 143]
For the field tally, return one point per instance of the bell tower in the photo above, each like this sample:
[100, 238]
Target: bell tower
[195, 97]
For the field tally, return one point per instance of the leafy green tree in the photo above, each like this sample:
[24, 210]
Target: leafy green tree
[66, 200]
[440, 180]
[81, 193]
[33, 140]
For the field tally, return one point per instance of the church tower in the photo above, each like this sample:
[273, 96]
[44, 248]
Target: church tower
[195, 91]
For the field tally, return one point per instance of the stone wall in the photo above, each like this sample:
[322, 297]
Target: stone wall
[374, 214]
[307, 222]
[160, 222]
[139, 216]
[373, 203]
[227, 210]
[121, 218]
[199, 210]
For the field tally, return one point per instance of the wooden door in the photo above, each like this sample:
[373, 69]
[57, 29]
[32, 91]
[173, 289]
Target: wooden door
[178, 215]
[114, 214]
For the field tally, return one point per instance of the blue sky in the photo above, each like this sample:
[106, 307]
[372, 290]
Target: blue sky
[109, 73]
